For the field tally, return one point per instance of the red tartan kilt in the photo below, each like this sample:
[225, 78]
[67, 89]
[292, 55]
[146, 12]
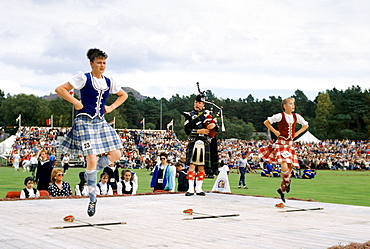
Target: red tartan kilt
[280, 152]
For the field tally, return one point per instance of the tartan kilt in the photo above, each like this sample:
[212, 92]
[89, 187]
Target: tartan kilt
[282, 151]
[91, 137]
[207, 157]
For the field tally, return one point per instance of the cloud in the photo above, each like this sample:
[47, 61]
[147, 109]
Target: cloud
[13, 88]
[164, 47]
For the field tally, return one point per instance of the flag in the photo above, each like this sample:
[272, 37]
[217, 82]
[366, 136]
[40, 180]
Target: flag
[170, 124]
[19, 117]
[222, 181]
[48, 121]
[142, 123]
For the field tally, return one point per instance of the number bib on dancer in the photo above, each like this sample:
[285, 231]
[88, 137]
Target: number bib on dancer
[286, 154]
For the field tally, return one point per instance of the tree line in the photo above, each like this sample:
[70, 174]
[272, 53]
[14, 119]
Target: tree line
[333, 114]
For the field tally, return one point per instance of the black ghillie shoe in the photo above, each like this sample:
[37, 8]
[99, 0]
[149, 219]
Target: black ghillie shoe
[201, 194]
[91, 208]
[282, 196]
[189, 194]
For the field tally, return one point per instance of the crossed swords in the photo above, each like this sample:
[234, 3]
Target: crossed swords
[70, 218]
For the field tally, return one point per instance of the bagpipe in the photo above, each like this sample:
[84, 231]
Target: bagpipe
[212, 113]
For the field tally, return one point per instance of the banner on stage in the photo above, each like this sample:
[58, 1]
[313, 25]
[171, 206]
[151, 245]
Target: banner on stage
[222, 182]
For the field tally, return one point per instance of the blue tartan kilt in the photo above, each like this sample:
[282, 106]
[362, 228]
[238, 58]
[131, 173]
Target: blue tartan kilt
[91, 137]
[207, 157]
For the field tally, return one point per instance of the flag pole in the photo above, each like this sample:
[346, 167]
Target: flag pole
[19, 120]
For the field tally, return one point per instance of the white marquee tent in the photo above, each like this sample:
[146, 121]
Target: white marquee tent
[6, 145]
[307, 138]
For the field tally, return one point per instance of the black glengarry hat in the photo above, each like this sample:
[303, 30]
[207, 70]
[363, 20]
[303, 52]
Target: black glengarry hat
[200, 98]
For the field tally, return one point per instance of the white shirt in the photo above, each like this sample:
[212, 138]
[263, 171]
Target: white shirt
[33, 160]
[79, 81]
[104, 190]
[85, 190]
[31, 193]
[288, 117]
[127, 186]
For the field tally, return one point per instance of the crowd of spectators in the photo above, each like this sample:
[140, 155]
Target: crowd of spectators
[142, 149]
[31, 140]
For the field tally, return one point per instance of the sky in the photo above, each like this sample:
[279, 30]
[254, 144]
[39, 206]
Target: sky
[162, 48]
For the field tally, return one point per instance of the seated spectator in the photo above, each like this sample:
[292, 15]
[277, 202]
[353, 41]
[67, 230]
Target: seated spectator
[268, 170]
[265, 172]
[29, 191]
[58, 187]
[275, 172]
[127, 184]
[164, 175]
[103, 187]
[43, 173]
[82, 189]
[308, 174]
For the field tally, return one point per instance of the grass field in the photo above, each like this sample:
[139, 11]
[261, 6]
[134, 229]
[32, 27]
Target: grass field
[342, 187]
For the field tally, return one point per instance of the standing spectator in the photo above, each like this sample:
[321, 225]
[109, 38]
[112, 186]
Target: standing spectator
[113, 174]
[58, 187]
[91, 134]
[65, 162]
[16, 158]
[164, 175]
[43, 173]
[33, 162]
[242, 165]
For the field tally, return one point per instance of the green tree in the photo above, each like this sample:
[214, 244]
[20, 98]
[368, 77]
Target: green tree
[304, 106]
[2, 99]
[323, 112]
[236, 128]
[29, 106]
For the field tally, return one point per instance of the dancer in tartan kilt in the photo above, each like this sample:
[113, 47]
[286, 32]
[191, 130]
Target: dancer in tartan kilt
[91, 134]
[282, 151]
